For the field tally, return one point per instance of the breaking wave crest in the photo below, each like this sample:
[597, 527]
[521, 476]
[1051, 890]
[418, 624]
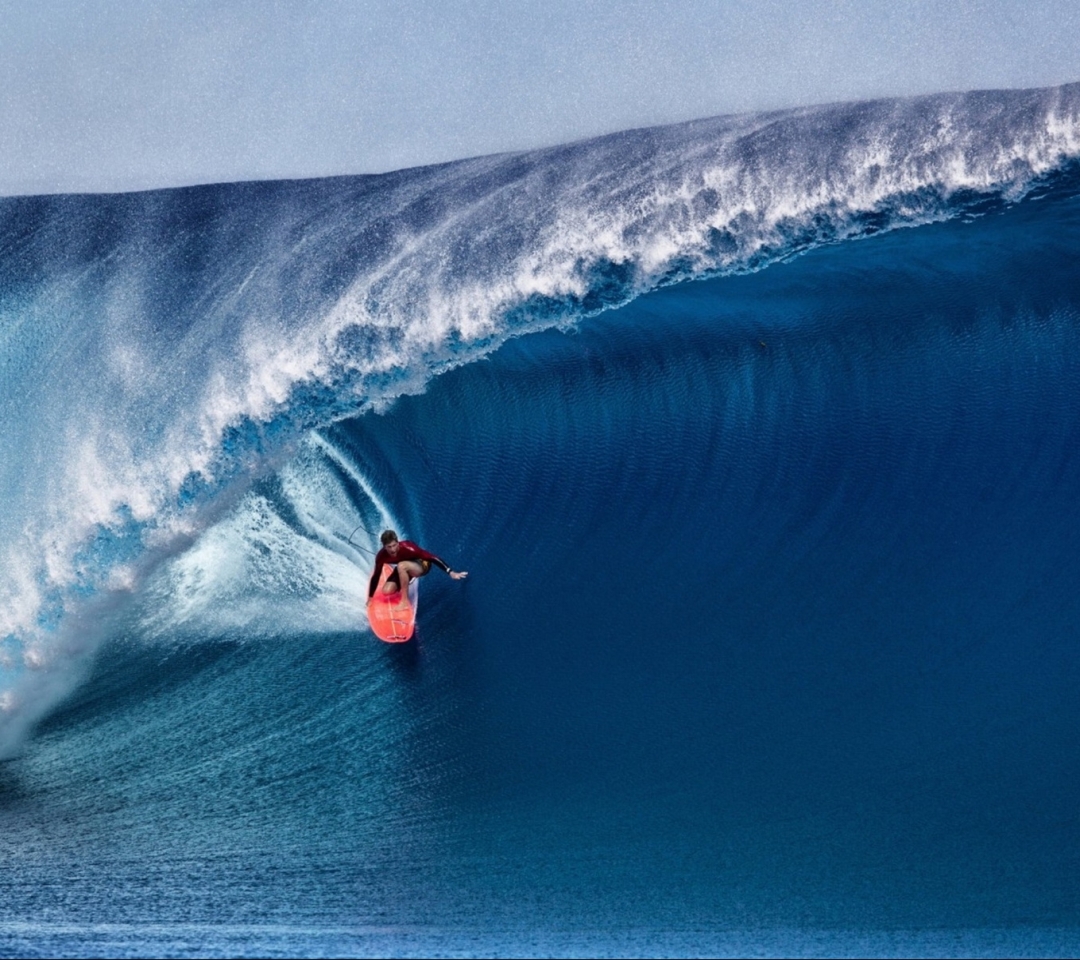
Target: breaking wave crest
[164, 351]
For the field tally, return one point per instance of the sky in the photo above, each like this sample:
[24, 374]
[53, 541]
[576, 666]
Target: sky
[102, 95]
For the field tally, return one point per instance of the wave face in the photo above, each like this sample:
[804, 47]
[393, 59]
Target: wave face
[771, 618]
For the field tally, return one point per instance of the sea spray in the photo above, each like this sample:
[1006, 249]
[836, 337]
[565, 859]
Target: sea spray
[160, 349]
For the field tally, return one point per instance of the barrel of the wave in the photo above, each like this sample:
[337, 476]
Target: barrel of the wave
[393, 616]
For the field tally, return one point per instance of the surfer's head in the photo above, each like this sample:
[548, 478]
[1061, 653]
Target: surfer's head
[390, 541]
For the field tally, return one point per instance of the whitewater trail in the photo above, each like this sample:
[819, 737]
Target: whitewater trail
[161, 350]
[770, 627]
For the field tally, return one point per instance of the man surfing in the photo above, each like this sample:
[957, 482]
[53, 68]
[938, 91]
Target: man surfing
[412, 562]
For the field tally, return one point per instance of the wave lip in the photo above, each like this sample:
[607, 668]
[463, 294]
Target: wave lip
[576, 228]
[168, 344]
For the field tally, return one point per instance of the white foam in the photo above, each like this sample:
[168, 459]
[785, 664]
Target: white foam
[127, 407]
[254, 575]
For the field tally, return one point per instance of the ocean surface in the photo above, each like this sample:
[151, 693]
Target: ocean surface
[759, 437]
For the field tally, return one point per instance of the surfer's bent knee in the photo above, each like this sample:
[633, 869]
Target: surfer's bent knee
[413, 568]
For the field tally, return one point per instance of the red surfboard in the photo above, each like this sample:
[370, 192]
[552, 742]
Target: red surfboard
[393, 617]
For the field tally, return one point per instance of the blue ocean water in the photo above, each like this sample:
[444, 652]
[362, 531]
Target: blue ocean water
[759, 439]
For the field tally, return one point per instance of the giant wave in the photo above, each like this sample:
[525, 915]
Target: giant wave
[206, 391]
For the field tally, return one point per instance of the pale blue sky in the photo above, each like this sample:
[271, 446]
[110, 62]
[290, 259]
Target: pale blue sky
[123, 94]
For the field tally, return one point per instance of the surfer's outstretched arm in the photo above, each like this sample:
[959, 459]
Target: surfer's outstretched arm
[414, 569]
[441, 564]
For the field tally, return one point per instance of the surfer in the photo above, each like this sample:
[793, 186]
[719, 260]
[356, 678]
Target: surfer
[412, 562]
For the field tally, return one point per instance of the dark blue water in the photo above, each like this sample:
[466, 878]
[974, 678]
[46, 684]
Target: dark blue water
[769, 641]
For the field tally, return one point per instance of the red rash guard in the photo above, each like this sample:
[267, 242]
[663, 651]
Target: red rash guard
[407, 550]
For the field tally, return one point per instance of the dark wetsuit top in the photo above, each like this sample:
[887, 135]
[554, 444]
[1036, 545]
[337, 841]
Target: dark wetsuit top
[407, 550]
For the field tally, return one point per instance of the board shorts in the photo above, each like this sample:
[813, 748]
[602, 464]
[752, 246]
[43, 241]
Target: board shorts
[425, 567]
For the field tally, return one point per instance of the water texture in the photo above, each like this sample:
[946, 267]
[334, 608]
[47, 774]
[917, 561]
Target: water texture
[759, 437]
